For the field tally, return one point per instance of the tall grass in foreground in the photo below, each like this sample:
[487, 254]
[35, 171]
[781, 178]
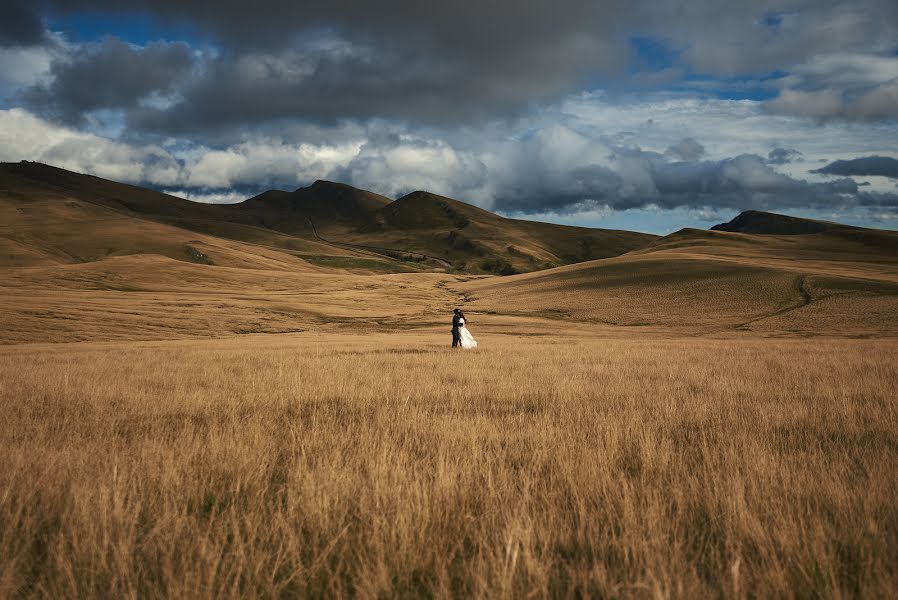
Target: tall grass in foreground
[539, 468]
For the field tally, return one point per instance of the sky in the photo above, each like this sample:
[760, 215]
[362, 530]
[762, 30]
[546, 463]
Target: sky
[647, 115]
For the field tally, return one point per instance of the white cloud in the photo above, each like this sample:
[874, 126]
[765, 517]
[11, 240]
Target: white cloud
[26, 137]
[846, 70]
[586, 153]
[21, 67]
[207, 198]
[273, 161]
[846, 86]
[396, 165]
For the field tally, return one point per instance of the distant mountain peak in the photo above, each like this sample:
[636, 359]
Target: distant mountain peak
[420, 194]
[323, 185]
[760, 222]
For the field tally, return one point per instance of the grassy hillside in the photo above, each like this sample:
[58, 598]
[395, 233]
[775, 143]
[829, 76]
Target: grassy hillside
[50, 226]
[476, 240]
[837, 281]
[323, 202]
[319, 222]
[755, 221]
[70, 217]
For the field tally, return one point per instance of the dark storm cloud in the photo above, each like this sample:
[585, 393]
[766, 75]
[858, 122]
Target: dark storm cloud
[780, 32]
[454, 62]
[20, 24]
[639, 179]
[109, 75]
[882, 166]
[425, 61]
[254, 87]
[317, 86]
[465, 26]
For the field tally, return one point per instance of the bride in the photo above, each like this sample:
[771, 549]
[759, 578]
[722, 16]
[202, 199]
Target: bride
[467, 340]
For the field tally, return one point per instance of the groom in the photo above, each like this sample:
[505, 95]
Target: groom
[456, 337]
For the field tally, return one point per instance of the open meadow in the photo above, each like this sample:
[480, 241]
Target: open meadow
[569, 299]
[259, 400]
[585, 462]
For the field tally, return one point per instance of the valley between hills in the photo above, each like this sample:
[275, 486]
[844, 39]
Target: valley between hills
[89, 259]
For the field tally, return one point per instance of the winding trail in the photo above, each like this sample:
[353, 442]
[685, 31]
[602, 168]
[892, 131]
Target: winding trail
[800, 286]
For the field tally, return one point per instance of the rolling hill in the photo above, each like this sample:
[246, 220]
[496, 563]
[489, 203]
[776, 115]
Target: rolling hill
[476, 240]
[328, 224]
[50, 216]
[755, 221]
[86, 258]
[83, 258]
[838, 280]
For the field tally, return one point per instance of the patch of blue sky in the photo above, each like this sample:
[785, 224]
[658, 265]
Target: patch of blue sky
[757, 87]
[134, 28]
[772, 20]
[650, 54]
[647, 220]
[666, 221]
[654, 64]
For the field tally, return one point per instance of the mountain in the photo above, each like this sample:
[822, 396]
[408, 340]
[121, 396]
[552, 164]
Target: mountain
[840, 280]
[755, 221]
[476, 240]
[324, 202]
[85, 258]
[53, 216]
[328, 224]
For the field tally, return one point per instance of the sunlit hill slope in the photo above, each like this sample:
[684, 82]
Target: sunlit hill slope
[82, 258]
[807, 278]
[52, 215]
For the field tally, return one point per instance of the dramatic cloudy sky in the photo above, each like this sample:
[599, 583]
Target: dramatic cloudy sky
[640, 114]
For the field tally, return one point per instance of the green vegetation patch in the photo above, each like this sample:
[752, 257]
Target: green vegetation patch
[196, 255]
[499, 266]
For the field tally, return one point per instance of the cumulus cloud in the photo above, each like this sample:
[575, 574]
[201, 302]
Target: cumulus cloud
[24, 136]
[109, 75]
[639, 179]
[396, 165]
[493, 103]
[326, 81]
[881, 166]
[463, 61]
[880, 102]
[265, 164]
[22, 67]
[779, 34]
[686, 149]
[196, 172]
[847, 86]
[323, 61]
[551, 163]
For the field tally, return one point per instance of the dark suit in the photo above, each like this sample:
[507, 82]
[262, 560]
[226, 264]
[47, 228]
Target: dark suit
[456, 338]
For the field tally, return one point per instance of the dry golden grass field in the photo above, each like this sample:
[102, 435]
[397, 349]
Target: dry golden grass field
[386, 465]
[199, 402]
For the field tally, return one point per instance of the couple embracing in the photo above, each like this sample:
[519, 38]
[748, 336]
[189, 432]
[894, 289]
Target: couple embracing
[461, 337]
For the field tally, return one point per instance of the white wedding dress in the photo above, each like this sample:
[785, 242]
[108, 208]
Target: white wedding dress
[467, 340]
